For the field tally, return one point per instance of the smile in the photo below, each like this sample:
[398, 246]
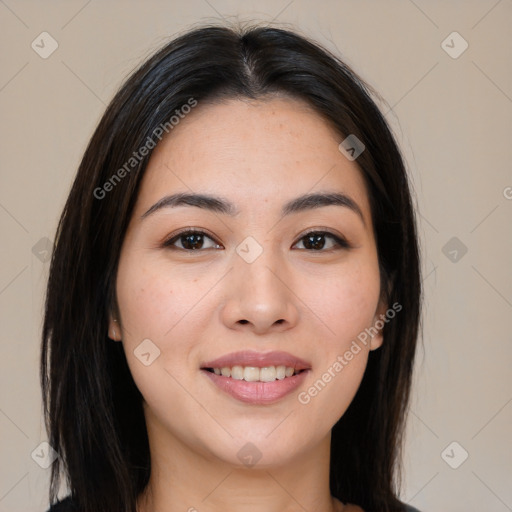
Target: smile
[257, 378]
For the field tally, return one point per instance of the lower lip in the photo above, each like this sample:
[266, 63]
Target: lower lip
[258, 393]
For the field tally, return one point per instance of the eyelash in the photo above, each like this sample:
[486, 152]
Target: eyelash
[340, 242]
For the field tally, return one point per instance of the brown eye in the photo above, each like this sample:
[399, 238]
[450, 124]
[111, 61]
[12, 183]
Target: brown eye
[191, 240]
[317, 241]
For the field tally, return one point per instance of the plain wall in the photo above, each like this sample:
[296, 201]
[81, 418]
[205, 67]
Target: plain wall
[452, 118]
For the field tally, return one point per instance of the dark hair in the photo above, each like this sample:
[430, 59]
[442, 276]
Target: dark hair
[93, 409]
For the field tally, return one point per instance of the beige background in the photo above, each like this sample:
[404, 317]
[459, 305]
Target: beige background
[453, 119]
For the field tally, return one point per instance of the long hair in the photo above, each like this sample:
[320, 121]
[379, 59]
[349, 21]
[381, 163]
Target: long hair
[93, 409]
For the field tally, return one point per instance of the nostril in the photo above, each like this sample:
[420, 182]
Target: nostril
[244, 321]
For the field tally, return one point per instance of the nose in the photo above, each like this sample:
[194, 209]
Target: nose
[259, 298]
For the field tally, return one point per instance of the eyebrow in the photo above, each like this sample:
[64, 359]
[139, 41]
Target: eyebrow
[220, 205]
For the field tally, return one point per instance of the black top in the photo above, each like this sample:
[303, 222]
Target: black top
[63, 506]
[67, 506]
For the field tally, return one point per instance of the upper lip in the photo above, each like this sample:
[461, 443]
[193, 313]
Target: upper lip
[258, 360]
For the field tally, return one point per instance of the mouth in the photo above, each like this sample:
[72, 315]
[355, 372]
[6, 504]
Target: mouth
[255, 377]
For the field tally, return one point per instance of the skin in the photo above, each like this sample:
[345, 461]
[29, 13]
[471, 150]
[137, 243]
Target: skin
[198, 305]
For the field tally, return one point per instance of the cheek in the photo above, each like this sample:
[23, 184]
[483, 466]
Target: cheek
[346, 302]
[154, 300]
[166, 306]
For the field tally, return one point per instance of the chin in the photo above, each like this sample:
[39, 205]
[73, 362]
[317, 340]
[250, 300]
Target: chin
[258, 450]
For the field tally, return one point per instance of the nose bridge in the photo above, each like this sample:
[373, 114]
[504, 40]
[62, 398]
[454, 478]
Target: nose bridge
[261, 273]
[256, 266]
[257, 294]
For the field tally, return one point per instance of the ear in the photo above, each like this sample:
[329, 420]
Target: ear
[379, 320]
[114, 329]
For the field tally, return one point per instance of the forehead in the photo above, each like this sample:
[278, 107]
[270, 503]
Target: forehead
[252, 150]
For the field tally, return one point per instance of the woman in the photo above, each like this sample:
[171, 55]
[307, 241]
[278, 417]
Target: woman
[234, 295]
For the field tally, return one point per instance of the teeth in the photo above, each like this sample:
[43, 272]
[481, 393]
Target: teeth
[254, 374]
[251, 374]
[280, 372]
[237, 372]
[268, 374]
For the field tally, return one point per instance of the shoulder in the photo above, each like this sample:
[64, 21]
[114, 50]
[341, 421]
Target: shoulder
[409, 508]
[65, 505]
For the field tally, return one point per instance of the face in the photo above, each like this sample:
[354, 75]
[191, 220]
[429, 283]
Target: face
[249, 327]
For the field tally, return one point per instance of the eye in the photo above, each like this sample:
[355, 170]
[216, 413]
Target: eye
[316, 241]
[191, 240]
